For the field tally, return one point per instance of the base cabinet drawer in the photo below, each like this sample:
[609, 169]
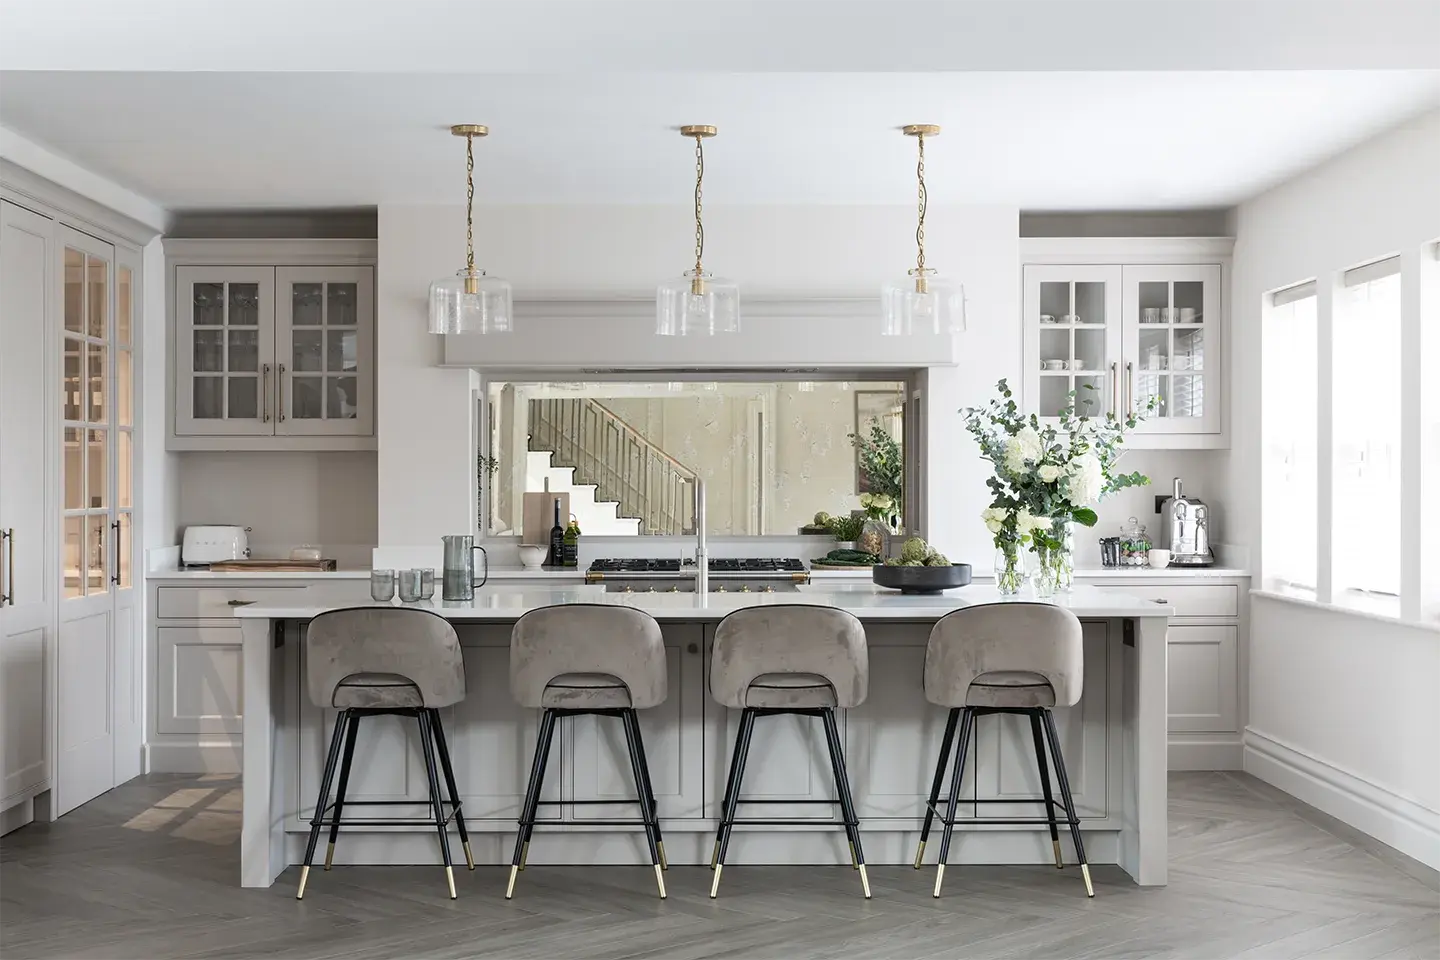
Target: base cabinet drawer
[201, 603]
[1189, 599]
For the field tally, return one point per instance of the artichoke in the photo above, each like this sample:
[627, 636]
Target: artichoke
[821, 519]
[937, 560]
[915, 549]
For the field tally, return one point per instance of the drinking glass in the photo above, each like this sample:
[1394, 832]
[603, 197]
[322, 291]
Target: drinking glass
[382, 585]
[427, 583]
[410, 588]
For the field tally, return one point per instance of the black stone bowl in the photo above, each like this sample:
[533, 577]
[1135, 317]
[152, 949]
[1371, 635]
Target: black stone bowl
[922, 580]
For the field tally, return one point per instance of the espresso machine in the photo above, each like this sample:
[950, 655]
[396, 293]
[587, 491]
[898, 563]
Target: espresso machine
[1185, 530]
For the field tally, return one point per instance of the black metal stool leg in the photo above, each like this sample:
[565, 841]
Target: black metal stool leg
[1045, 786]
[847, 800]
[1068, 800]
[967, 726]
[427, 747]
[654, 805]
[443, 749]
[729, 789]
[532, 798]
[946, 743]
[352, 730]
[323, 800]
[647, 812]
[737, 773]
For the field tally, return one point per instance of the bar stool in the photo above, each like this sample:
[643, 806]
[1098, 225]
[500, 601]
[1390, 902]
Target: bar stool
[1012, 657]
[588, 658]
[789, 659]
[373, 661]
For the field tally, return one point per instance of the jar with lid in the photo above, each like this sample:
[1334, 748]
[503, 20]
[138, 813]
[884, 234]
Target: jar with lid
[1134, 544]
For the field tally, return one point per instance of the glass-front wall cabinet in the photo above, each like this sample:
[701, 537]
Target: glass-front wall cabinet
[1116, 336]
[266, 351]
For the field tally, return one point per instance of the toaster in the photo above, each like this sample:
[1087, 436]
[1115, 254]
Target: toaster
[214, 544]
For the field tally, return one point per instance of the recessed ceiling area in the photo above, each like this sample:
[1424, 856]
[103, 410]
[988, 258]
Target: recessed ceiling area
[1040, 140]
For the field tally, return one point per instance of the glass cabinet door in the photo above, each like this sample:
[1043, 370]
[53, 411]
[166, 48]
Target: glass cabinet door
[324, 337]
[1172, 325]
[224, 337]
[1072, 338]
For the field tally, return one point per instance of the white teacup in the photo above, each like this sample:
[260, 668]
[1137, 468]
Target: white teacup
[1159, 559]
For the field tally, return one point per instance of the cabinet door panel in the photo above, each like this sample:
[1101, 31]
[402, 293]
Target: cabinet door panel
[674, 743]
[199, 680]
[325, 349]
[224, 350]
[1072, 332]
[1202, 678]
[1172, 345]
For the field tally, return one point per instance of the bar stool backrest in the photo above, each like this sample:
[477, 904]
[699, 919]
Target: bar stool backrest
[415, 644]
[588, 638]
[1000, 638]
[796, 638]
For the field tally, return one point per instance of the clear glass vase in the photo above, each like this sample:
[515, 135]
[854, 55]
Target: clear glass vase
[1009, 569]
[1055, 561]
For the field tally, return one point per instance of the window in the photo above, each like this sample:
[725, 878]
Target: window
[772, 454]
[1290, 390]
[1365, 545]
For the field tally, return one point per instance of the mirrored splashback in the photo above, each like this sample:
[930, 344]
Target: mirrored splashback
[624, 457]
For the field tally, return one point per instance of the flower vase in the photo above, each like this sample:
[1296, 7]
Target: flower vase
[1055, 559]
[1009, 568]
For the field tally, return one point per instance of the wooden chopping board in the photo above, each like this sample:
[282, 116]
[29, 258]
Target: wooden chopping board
[539, 516]
[273, 566]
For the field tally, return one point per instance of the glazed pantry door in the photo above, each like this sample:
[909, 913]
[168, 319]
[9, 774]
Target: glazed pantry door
[86, 655]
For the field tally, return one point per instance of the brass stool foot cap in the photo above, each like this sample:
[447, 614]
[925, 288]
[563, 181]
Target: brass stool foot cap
[450, 881]
[1085, 872]
[469, 857]
[510, 887]
[660, 880]
[715, 883]
[1059, 860]
[864, 880]
[854, 863]
[920, 855]
[304, 875]
[329, 855]
[939, 879]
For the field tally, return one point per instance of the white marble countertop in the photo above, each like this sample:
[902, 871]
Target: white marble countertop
[1082, 573]
[866, 601]
[496, 573]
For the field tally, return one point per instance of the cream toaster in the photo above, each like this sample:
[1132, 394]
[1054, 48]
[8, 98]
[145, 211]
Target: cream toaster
[214, 544]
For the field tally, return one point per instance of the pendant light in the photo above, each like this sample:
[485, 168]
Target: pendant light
[923, 302]
[696, 302]
[470, 301]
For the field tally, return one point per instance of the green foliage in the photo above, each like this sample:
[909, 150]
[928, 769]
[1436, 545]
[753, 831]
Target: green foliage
[846, 529]
[881, 461]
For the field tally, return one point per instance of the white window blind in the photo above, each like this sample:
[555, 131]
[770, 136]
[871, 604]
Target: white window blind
[1378, 270]
[1301, 291]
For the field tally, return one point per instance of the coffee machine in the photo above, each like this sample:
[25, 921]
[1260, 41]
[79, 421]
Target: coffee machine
[1185, 530]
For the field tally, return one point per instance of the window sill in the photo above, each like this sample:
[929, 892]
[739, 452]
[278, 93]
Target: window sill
[1426, 625]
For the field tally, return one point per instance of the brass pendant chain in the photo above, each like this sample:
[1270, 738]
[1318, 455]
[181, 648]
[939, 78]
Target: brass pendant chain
[470, 205]
[920, 229]
[699, 179]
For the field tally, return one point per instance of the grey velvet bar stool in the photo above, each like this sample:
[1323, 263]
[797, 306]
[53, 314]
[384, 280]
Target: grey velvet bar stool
[798, 659]
[1012, 657]
[376, 661]
[595, 659]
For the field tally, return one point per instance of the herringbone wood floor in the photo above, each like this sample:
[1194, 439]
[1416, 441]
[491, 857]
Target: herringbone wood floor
[150, 871]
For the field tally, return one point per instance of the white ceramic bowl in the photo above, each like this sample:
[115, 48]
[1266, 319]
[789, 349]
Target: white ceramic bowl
[531, 557]
[1159, 559]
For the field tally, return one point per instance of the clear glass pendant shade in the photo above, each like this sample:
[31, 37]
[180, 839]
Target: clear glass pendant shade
[697, 304]
[471, 303]
[928, 304]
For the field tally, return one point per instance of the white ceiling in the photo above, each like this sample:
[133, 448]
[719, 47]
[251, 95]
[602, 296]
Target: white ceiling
[1039, 140]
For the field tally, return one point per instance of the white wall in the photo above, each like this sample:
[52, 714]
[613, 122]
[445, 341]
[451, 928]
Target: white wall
[327, 499]
[1350, 700]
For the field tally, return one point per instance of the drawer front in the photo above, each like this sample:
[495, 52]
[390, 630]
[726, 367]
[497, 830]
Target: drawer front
[199, 603]
[1188, 599]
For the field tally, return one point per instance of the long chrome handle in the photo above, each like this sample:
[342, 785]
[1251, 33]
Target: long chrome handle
[1129, 387]
[1114, 388]
[265, 393]
[7, 536]
[115, 576]
[280, 415]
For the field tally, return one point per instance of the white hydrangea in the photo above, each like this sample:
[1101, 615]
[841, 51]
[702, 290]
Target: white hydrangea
[1027, 522]
[994, 518]
[1086, 479]
[1024, 445]
[1049, 472]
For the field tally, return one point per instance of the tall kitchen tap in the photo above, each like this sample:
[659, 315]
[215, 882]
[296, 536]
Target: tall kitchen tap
[702, 552]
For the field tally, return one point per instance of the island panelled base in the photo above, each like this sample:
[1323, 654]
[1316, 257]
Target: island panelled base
[1113, 741]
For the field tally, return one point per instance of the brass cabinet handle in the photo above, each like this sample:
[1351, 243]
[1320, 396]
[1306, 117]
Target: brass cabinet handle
[240, 603]
[7, 536]
[265, 393]
[1114, 389]
[281, 414]
[1129, 387]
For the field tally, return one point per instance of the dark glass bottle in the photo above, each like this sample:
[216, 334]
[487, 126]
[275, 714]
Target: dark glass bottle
[571, 552]
[557, 540]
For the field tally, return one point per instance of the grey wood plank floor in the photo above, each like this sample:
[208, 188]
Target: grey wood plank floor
[150, 871]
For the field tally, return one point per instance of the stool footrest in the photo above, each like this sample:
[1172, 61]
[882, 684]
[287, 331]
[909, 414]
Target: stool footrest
[791, 823]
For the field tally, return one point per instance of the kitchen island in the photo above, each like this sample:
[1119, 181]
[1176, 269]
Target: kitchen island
[1114, 742]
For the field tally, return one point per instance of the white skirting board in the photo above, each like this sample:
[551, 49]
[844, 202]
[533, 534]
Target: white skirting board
[1385, 815]
[17, 816]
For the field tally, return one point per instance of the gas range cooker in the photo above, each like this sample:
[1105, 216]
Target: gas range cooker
[727, 574]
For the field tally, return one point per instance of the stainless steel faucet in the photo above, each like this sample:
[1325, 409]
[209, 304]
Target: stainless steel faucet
[702, 552]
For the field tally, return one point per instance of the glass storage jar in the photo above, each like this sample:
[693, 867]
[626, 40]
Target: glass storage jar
[1134, 544]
